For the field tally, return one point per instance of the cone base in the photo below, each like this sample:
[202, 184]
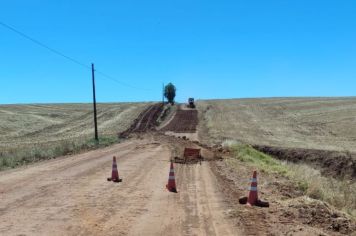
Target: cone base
[173, 190]
[258, 203]
[115, 180]
[243, 200]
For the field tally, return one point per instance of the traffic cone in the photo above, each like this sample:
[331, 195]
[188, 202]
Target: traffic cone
[252, 199]
[171, 186]
[114, 172]
[253, 196]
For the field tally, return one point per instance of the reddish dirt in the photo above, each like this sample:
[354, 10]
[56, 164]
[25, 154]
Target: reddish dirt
[146, 121]
[185, 121]
[331, 163]
[290, 213]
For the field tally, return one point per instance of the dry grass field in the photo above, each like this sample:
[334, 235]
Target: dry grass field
[311, 123]
[314, 138]
[36, 131]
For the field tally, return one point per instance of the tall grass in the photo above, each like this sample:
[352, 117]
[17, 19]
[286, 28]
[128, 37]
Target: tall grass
[19, 156]
[339, 193]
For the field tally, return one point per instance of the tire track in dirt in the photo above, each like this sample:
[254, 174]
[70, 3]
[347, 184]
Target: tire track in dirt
[28, 191]
[184, 121]
[148, 118]
[203, 205]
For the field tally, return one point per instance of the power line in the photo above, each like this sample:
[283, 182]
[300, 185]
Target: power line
[120, 82]
[43, 45]
[104, 75]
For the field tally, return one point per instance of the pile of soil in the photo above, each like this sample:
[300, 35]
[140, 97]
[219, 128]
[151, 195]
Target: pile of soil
[331, 163]
[290, 213]
[319, 214]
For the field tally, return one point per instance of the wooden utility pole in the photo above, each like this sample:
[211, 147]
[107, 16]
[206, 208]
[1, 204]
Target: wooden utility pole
[162, 94]
[94, 104]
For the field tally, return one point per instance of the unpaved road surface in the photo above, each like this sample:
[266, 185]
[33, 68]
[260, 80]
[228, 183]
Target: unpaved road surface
[70, 196]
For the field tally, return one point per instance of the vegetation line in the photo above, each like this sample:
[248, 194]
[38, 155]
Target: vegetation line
[27, 155]
[339, 193]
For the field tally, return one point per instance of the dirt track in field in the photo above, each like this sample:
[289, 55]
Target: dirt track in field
[184, 121]
[148, 118]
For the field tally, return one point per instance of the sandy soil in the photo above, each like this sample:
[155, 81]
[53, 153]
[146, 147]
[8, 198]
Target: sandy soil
[70, 196]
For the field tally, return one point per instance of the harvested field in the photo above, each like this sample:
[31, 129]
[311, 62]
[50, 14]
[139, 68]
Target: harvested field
[41, 123]
[316, 131]
[41, 131]
[308, 123]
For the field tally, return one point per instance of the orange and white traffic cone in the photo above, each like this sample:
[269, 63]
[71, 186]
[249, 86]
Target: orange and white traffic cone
[171, 186]
[114, 172]
[253, 195]
[252, 199]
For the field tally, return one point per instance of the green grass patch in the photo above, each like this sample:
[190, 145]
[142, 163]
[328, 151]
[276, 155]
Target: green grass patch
[339, 193]
[38, 152]
[246, 153]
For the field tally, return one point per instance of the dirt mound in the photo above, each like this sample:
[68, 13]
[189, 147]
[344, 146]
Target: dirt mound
[185, 121]
[331, 163]
[289, 213]
[316, 213]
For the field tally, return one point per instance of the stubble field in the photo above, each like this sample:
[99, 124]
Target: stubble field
[314, 123]
[41, 131]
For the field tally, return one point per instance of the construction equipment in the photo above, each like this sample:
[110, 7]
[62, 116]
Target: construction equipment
[191, 103]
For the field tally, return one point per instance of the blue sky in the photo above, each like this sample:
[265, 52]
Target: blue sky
[208, 49]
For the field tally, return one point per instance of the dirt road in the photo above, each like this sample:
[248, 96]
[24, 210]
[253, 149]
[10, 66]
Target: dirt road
[70, 196]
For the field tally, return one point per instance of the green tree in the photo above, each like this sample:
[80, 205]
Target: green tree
[170, 92]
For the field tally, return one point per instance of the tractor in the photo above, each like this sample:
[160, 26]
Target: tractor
[191, 103]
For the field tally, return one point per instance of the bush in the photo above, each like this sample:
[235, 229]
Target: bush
[170, 93]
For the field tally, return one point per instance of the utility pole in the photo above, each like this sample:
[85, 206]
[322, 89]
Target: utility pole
[94, 104]
[162, 94]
